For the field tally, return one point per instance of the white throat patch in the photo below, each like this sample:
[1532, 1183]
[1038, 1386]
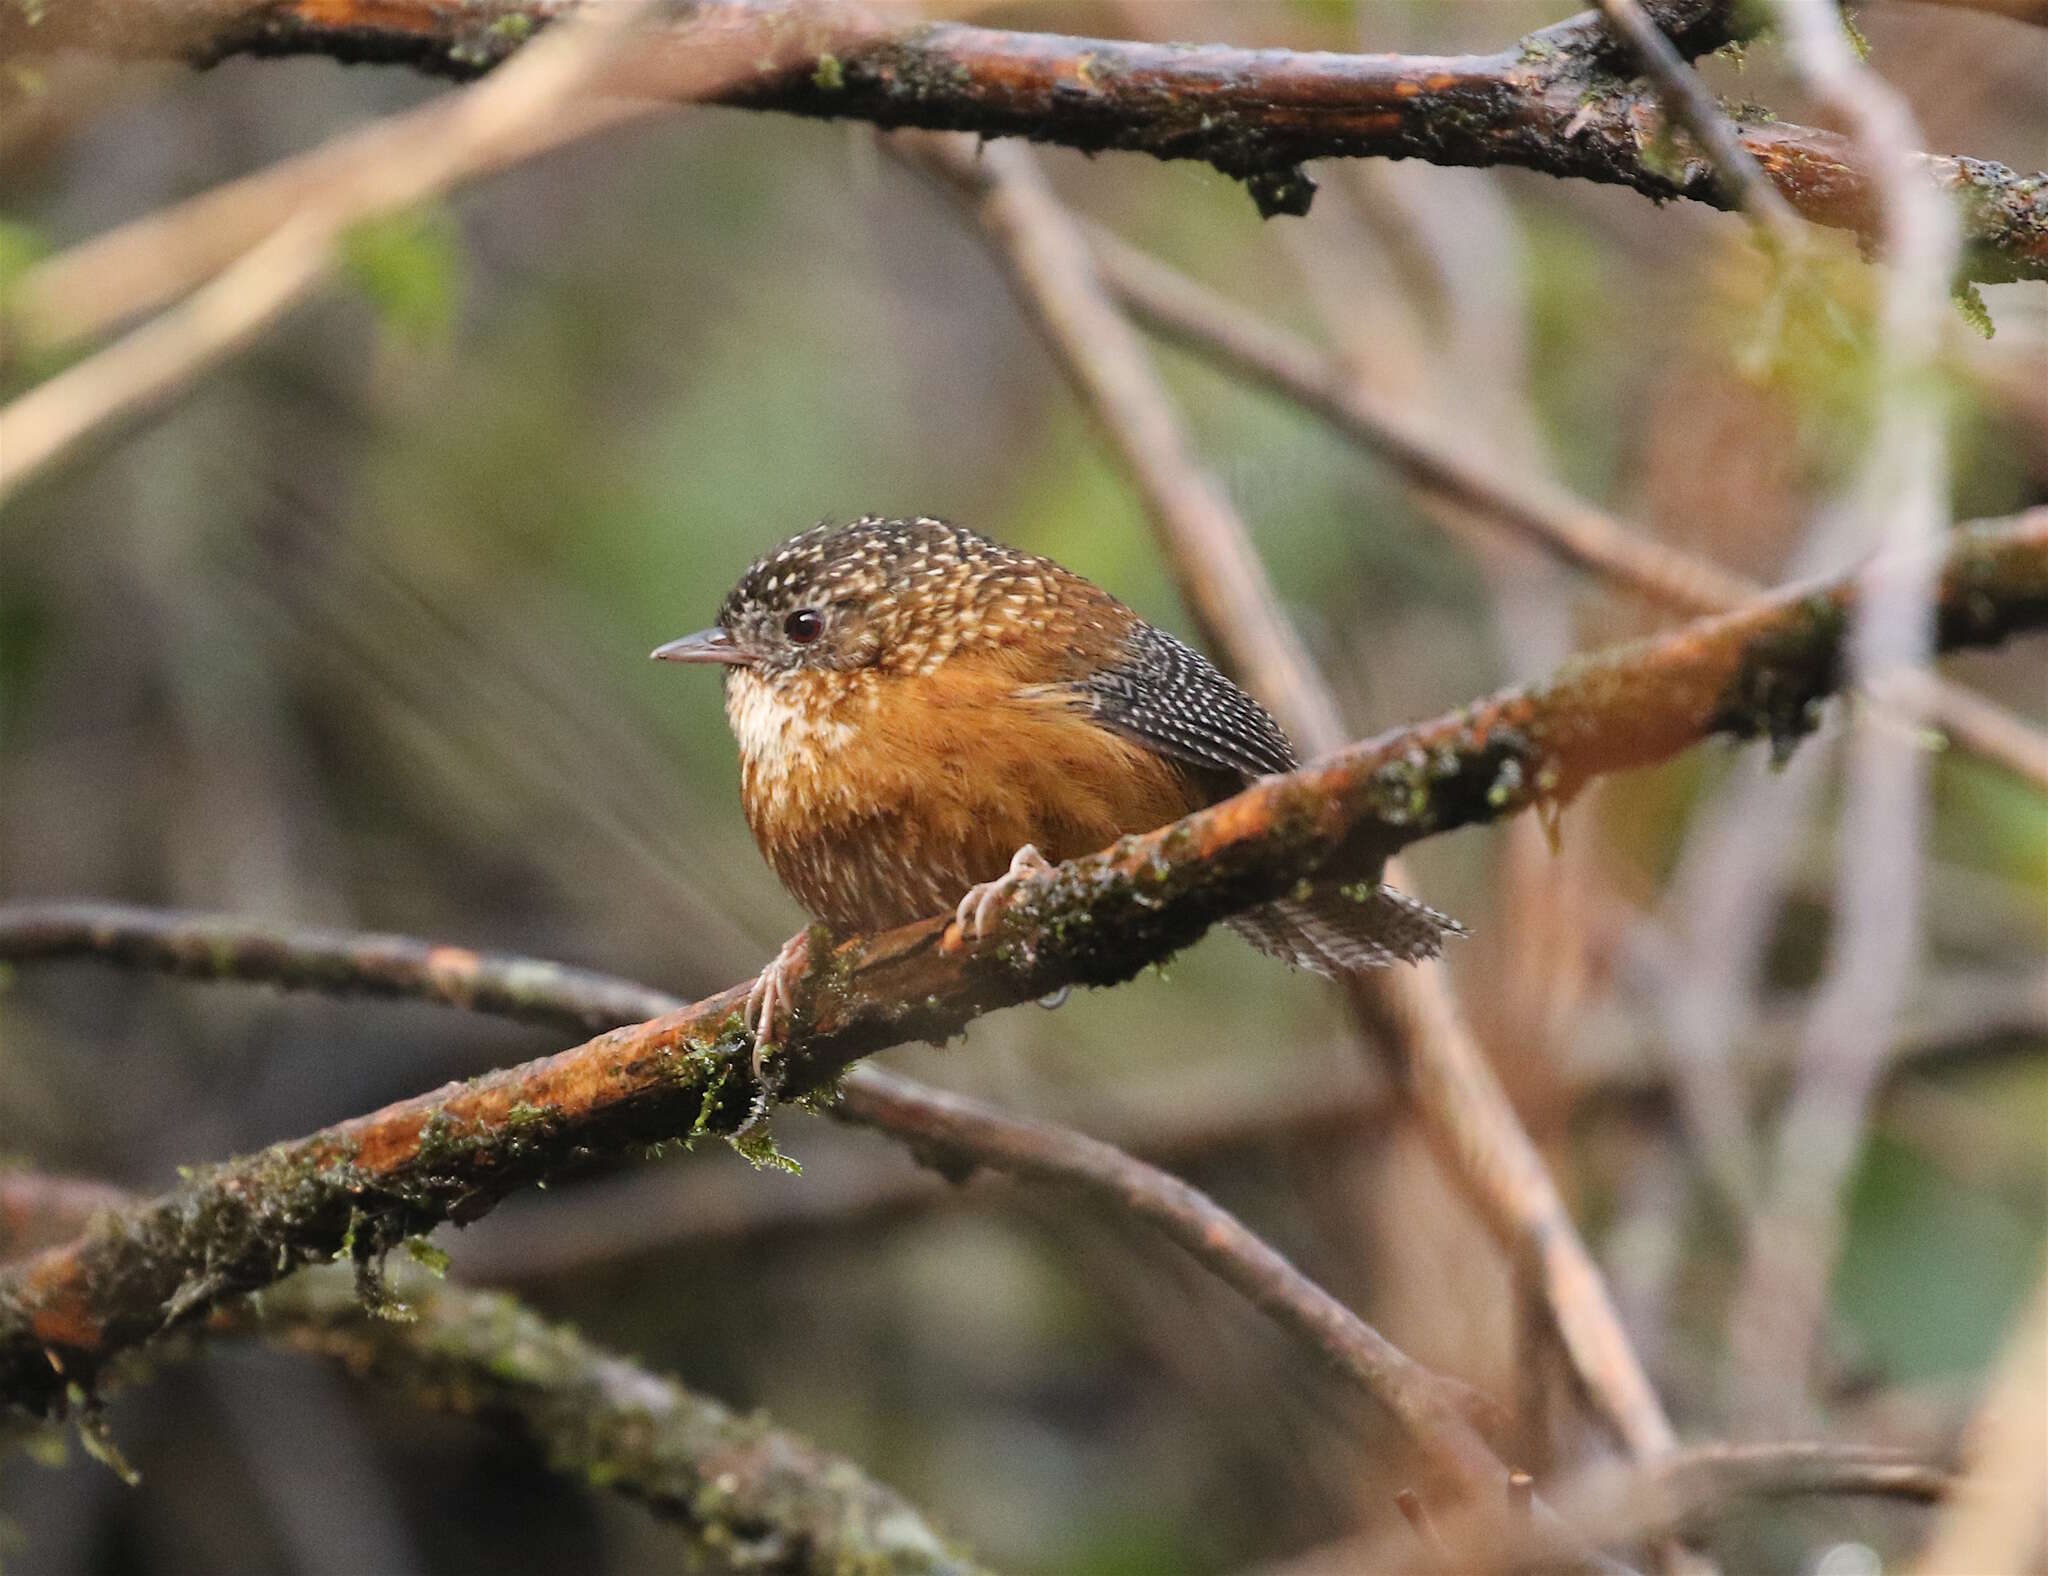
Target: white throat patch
[776, 737]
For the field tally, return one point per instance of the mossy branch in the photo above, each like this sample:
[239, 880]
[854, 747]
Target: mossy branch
[1563, 100]
[955, 1135]
[747, 1494]
[368, 1183]
[743, 1492]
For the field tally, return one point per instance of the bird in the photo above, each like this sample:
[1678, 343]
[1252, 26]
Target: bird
[928, 719]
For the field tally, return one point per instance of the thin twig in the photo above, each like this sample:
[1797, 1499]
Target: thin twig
[1409, 1010]
[965, 1131]
[1899, 495]
[1686, 99]
[1691, 1486]
[1618, 1504]
[376, 1179]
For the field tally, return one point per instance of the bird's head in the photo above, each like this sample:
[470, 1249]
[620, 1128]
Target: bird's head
[896, 595]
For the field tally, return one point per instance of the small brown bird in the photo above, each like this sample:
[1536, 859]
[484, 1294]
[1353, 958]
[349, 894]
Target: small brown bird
[927, 718]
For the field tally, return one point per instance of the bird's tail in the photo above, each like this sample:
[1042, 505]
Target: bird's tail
[1333, 929]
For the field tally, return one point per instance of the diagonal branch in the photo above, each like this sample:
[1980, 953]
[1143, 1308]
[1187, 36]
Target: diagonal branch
[453, 1153]
[1408, 1012]
[948, 1130]
[1555, 101]
[1740, 179]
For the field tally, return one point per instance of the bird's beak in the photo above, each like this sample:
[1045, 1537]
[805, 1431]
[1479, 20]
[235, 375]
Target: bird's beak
[707, 645]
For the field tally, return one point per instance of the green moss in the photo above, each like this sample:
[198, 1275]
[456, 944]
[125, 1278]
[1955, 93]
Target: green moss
[829, 77]
[1969, 303]
[1783, 678]
[756, 1145]
[90, 1419]
[441, 1138]
[1506, 788]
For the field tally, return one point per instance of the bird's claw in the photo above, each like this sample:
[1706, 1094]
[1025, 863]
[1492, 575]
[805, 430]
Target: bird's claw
[773, 998]
[971, 919]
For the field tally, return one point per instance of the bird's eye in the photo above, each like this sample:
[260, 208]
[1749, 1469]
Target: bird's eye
[803, 626]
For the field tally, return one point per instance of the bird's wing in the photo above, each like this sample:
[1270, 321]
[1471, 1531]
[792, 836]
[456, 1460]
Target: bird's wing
[1170, 698]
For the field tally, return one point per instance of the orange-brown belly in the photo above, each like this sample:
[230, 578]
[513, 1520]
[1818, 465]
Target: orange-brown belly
[892, 816]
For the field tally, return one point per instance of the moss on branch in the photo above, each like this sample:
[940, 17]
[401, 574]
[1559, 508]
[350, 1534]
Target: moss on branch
[1563, 100]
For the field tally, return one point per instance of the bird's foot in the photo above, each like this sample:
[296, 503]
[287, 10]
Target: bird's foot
[772, 1001]
[971, 919]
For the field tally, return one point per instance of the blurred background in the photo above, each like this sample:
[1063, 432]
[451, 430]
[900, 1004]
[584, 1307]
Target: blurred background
[355, 634]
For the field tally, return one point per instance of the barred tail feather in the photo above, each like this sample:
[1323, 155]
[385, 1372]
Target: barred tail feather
[1330, 932]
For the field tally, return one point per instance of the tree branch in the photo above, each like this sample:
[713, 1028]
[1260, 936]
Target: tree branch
[748, 1494]
[953, 1133]
[744, 1492]
[1555, 101]
[1621, 1504]
[451, 1154]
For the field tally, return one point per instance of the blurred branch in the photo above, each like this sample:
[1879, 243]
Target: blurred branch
[219, 947]
[147, 263]
[749, 1494]
[745, 1493]
[1408, 1011]
[952, 1131]
[451, 1154]
[1898, 500]
[1554, 101]
[1577, 532]
[1998, 1518]
[480, 129]
[1621, 1504]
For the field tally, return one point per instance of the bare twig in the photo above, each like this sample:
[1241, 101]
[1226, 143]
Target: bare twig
[455, 1152]
[1617, 1504]
[1409, 1010]
[143, 265]
[1900, 493]
[1686, 99]
[739, 1488]
[963, 1131]
[1572, 529]
[1691, 1486]
[350, 963]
